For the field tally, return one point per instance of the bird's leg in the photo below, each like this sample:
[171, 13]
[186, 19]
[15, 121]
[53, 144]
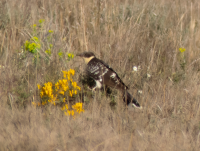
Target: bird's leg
[92, 89]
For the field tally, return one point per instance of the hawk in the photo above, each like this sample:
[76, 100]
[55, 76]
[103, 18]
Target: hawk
[104, 75]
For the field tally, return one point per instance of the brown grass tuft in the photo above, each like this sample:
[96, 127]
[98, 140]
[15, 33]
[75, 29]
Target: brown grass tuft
[123, 34]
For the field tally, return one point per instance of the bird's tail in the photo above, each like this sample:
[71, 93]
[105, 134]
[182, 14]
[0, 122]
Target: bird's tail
[128, 98]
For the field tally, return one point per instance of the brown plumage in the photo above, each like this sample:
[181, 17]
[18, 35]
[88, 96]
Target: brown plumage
[105, 75]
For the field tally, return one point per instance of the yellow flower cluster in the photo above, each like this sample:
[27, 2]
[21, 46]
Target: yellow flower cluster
[70, 56]
[70, 113]
[41, 21]
[77, 108]
[46, 90]
[182, 50]
[48, 51]
[32, 46]
[50, 31]
[64, 84]
[64, 107]
[34, 25]
[67, 74]
[57, 93]
[36, 104]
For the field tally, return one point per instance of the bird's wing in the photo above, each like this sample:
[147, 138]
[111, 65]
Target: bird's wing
[100, 71]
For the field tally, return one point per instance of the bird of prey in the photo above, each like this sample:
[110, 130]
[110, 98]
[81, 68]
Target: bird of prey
[104, 75]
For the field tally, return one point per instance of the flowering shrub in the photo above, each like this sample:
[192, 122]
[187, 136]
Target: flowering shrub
[182, 59]
[70, 56]
[64, 89]
[34, 44]
[76, 108]
[182, 50]
[56, 94]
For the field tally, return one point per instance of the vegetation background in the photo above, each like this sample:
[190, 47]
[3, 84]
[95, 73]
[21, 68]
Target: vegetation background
[123, 33]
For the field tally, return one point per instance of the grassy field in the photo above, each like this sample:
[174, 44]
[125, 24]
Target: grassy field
[161, 38]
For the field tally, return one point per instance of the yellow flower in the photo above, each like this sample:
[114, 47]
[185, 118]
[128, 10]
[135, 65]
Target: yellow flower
[43, 103]
[62, 92]
[63, 85]
[182, 50]
[72, 71]
[63, 108]
[70, 112]
[38, 86]
[48, 51]
[70, 93]
[75, 91]
[70, 56]
[65, 88]
[34, 25]
[51, 96]
[41, 94]
[74, 84]
[64, 73]
[68, 76]
[41, 21]
[79, 88]
[34, 104]
[57, 85]
[47, 90]
[78, 107]
[50, 31]
[35, 39]
[60, 54]
[64, 81]
[60, 82]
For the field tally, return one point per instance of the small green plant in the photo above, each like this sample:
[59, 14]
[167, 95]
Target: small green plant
[182, 50]
[182, 60]
[177, 76]
[70, 56]
[60, 54]
[34, 45]
[49, 40]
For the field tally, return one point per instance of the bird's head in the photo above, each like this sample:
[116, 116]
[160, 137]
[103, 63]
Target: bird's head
[87, 56]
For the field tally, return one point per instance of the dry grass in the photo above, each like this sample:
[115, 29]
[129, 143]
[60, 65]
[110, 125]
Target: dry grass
[123, 34]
